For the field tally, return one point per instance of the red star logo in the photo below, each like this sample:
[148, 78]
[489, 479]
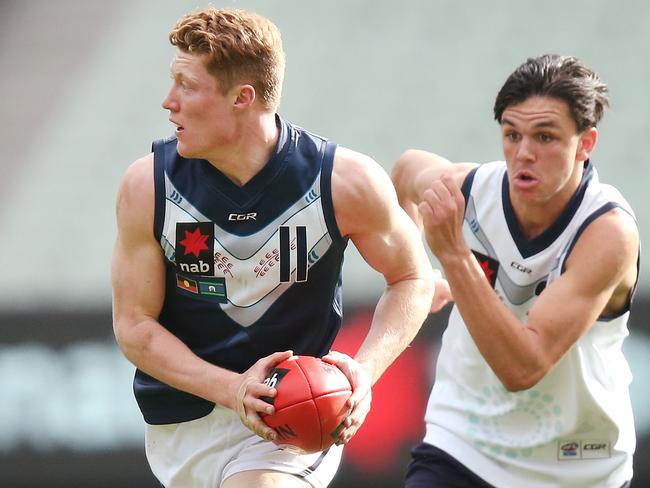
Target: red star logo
[194, 242]
[487, 270]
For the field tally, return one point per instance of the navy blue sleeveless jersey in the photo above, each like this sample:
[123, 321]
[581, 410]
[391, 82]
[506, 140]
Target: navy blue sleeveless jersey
[250, 270]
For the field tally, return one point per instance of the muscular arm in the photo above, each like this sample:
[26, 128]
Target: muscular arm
[138, 279]
[138, 276]
[368, 213]
[599, 275]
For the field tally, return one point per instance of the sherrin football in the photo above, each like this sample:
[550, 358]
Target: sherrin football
[309, 404]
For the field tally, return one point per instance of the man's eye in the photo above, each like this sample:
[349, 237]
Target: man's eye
[545, 138]
[512, 136]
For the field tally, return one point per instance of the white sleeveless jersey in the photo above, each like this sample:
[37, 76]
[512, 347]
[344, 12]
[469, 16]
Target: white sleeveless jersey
[575, 427]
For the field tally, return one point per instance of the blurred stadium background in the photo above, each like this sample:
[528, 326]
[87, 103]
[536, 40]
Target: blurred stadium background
[81, 86]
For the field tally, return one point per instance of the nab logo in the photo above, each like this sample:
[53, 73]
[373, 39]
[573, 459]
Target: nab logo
[195, 247]
[195, 268]
[242, 216]
[273, 380]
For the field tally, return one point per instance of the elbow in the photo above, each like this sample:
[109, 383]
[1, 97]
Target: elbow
[121, 338]
[400, 165]
[121, 332]
[429, 283]
[522, 380]
[423, 279]
[400, 172]
[124, 341]
[425, 291]
[131, 339]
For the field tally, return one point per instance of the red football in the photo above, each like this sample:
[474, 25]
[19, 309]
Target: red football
[310, 403]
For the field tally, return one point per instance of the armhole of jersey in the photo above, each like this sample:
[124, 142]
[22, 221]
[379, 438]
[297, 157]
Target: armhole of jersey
[466, 187]
[158, 148]
[597, 213]
[327, 166]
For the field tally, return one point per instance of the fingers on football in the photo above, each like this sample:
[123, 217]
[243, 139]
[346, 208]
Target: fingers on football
[353, 422]
[254, 423]
[255, 402]
[275, 358]
[336, 358]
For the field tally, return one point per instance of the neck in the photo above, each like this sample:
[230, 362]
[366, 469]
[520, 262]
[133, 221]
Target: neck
[533, 220]
[251, 147]
[535, 216]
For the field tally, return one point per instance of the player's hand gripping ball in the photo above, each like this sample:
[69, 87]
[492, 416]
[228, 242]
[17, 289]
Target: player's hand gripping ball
[309, 404]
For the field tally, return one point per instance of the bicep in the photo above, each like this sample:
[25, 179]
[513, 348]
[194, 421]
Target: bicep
[394, 249]
[138, 279]
[138, 269]
[368, 211]
[597, 267]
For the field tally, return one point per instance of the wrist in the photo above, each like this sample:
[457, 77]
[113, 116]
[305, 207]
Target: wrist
[222, 387]
[455, 257]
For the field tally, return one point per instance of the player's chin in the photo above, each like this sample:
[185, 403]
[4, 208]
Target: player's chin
[186, 150]
[183, 151]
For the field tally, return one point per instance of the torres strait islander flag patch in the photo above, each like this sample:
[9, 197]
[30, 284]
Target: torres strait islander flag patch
[209, 288]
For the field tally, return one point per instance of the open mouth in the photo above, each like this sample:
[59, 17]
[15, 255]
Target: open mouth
[525, 179]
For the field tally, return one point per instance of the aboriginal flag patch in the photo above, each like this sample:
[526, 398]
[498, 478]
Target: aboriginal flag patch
[208, 288]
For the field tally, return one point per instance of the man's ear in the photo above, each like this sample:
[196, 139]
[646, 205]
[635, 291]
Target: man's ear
[587, 143]
[245, 96]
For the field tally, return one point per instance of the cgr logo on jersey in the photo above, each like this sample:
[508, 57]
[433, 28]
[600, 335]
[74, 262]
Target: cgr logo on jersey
[490, 266]
[520, 267]
[595, 449]
[243, 216]
[586, 449]
[195, 247]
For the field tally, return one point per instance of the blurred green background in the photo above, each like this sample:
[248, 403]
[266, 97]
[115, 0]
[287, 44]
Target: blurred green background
[81, 87]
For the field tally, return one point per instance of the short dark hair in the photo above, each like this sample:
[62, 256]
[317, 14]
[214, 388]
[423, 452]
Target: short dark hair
[563, 77]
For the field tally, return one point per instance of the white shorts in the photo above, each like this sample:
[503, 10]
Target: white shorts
[202, 453]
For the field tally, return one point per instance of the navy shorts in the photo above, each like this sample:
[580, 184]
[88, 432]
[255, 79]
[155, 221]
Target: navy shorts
[434, 468]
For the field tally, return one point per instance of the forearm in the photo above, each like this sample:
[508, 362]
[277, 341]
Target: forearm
[507, 345]
[160, 354]
[399, 314]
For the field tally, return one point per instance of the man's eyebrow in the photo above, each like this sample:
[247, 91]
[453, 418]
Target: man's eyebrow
[542, 124]
[180, 75]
